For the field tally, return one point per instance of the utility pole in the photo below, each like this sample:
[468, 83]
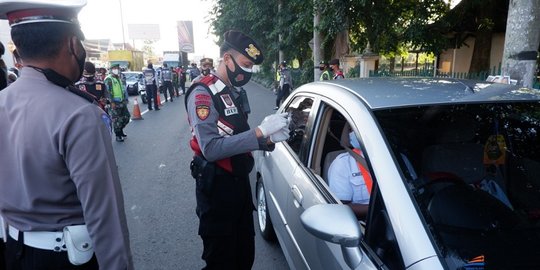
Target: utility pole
[280, 36]
[122, 20]
[522, 41]
[317, 51]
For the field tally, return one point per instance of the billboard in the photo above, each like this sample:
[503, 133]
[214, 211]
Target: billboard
[185, 36]
[144, 31]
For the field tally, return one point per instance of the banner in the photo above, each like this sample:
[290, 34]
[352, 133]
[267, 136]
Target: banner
[185, 36]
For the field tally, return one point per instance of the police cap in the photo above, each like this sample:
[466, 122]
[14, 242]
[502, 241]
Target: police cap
[323, 63]
[19, 12]
[113, 65]
[244, 45]
[207, 61]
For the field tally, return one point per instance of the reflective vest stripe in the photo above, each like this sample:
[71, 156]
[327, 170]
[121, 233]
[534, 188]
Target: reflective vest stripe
[365, 172]
[116, 88]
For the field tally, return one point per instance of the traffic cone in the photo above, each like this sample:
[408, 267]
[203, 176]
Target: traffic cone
[158, 98]
[136, 114]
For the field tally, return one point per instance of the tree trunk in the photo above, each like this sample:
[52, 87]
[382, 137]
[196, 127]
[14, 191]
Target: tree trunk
[521, 41]
[317, 49]
[482, 44]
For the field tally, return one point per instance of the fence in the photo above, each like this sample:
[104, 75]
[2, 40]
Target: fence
[429, 72]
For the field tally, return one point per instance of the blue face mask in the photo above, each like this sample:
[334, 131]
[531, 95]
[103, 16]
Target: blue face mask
[353, 140]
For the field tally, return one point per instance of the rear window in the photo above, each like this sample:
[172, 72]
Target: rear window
[474, 172]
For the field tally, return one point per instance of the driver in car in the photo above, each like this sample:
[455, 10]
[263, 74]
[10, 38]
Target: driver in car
[350, 181]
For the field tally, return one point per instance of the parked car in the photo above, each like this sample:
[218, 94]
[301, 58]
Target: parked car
[455, 166]
[134, 82]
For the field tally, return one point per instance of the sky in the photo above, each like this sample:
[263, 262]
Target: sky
[100, 19]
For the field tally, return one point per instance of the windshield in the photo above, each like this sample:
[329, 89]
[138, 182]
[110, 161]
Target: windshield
[132, 76]
[474, 172]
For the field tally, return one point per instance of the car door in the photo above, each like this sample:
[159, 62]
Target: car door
[279, 167]
[308, 188]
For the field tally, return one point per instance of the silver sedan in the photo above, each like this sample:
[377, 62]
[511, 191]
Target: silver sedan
[445, 175]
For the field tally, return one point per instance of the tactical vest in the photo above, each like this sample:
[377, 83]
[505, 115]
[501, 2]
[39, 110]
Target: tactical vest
[97, 89]
[325, 75]
[149, 76]
[116, 92]
[166, 74]
[232, 120]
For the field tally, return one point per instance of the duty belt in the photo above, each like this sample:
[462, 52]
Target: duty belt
[42, 240]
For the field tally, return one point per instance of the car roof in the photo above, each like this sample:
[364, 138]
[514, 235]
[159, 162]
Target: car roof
[389, 92]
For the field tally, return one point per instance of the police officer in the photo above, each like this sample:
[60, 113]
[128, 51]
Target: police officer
[207, 66]
[334, 65]
[119, 100]
[182, 79]
[149, 75]
[222, 143]
[285, 83]
[194, 72]
[166, 81]
[89, 84]
[59, 179]
[325, 75]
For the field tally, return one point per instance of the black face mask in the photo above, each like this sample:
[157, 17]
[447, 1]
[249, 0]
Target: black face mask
[246, 76]
[89, 77]
[321, 68]
[80, 62]
[205, 72]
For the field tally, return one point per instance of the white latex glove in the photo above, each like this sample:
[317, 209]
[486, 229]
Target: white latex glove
[281, 135]
[273, 123]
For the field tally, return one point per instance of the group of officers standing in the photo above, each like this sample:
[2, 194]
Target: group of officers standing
[60, 191]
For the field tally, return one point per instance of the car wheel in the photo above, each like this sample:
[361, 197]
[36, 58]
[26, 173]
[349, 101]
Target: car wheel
[265, 224]
[143, 97]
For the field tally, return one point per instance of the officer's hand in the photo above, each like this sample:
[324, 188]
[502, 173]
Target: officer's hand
[281, 135]
[273, 123]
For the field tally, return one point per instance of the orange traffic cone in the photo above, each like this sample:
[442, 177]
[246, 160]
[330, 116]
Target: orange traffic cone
[136, 114]
[158, 98]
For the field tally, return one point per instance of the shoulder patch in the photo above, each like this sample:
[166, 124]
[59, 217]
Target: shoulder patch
[107, 121]
[202, 111]
[203, 100]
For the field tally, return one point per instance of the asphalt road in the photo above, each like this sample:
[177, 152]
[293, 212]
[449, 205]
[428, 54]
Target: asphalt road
[159, 192]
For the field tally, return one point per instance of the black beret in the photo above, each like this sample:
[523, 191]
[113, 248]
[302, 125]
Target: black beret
[244, 45]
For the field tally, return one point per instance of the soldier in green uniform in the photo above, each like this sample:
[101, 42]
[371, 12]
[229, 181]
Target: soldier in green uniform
[119, 100]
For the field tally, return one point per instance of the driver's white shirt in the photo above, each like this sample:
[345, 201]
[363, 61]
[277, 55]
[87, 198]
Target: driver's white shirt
[346, 181]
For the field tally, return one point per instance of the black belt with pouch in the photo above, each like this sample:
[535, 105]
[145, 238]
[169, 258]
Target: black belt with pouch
[203, 171]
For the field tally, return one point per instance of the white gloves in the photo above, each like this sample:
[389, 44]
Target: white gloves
[281, 135]
[273, 123]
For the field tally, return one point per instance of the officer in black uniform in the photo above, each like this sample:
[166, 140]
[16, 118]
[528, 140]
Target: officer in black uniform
[91, 85]
[222, 143]
[151, 86]
[166, 80]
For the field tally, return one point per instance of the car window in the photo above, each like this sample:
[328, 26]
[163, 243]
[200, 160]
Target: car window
[350, 180]
[474, 172]
[299, 109]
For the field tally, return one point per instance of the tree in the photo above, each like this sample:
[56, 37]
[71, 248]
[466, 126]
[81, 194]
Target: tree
[522, 41]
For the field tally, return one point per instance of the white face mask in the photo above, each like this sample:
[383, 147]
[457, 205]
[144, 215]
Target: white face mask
[115, 71]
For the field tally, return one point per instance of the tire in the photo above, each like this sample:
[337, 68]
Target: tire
[263, 217]
[143, 97]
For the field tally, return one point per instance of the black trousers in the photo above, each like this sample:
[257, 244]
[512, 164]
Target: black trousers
[282, 94]
[2, 255]
[23, 257]
[183, 86]
[167, 87]
[151, 94]
[226, 222]
[229, 252]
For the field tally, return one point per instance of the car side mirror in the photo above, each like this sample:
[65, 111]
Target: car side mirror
[335, 223]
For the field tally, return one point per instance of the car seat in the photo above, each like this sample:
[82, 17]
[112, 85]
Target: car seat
[456, 153]
[331, 156]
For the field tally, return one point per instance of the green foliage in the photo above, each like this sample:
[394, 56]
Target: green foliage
[388, 26]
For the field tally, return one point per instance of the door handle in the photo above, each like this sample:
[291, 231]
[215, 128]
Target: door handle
[298, 197]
